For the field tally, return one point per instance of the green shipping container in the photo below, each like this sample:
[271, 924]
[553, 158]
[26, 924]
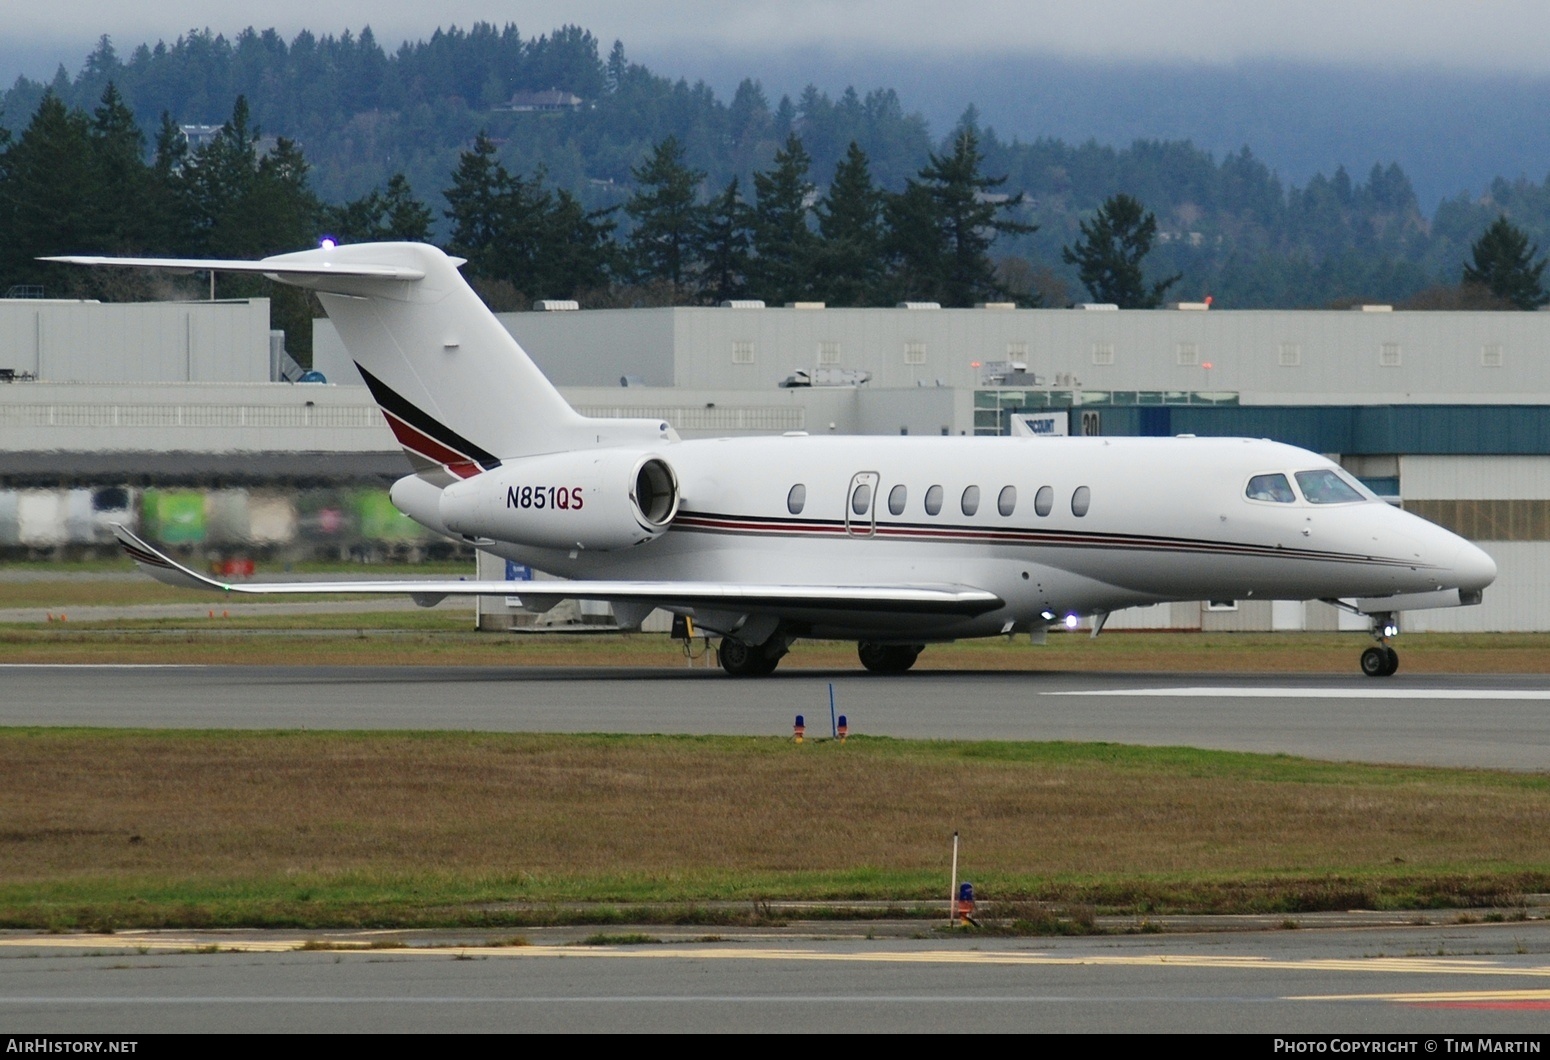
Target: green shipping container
[173, 517]
[380, 521]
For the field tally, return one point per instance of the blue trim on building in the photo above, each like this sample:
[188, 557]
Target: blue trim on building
[1353, 430]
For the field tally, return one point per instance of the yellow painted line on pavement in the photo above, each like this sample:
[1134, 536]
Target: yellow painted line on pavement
[1437, 996]
[162, 943]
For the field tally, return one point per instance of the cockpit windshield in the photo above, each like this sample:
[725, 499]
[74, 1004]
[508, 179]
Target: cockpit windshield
[1326, 487]
[1270, 488]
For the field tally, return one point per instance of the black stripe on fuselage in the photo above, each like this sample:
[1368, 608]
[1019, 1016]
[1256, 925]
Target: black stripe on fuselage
[394, 402]
[775, 526]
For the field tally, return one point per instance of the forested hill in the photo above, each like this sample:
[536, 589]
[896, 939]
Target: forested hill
[360, 114]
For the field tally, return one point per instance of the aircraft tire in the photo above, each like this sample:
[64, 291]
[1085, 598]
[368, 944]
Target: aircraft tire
[888, 658]
[746, 660]
[1377, 661]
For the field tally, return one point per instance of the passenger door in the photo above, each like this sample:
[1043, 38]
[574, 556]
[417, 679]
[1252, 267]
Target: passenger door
[861, 504]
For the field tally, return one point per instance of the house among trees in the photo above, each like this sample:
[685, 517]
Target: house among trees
[551, 101]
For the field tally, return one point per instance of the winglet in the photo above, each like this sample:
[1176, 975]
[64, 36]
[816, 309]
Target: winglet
[161, 567]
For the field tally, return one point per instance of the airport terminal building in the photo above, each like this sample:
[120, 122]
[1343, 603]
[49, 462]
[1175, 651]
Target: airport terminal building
[151, 411]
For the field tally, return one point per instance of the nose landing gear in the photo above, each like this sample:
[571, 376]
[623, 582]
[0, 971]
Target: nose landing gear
[1381, 660]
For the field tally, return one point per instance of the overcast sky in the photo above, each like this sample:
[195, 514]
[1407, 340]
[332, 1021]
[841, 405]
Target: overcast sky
[1487, 36]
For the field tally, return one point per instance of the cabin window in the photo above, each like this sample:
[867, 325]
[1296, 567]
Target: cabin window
[1044, 501]
[1270, 488]
[861, 500]
[1007, 502]
[1080, 500]
[796, 500]
[934, 500]
[970, 502]
[1326, 487]
[896, 498]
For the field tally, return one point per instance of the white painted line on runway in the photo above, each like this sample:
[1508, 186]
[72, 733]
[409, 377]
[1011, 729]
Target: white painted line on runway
[1219, 692]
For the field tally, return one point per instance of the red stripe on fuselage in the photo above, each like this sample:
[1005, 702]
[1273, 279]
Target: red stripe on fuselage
[1045, 538]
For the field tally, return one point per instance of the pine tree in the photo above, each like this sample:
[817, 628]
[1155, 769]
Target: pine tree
[172, 223]
[725, 239]
[664, 244]
[515, 231]
[615, 69]
[1502, 261]
[576, 253]
[404, 216]
[219, 181]
[1108, 256]
[914, 246]
[475, 204]
[48, 202]
[969, 211]
[849, 260]
[391, 214]
[121, 176]
[784, 246]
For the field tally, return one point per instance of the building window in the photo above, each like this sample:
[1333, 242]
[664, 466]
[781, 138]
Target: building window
[1103, 353]
[1491, 355]
[1291, 355]
[1388, 355]
[1187, 353]
[742, 352]
[1221, 605]
[1017, 351]
[828, 353]
[914, 353]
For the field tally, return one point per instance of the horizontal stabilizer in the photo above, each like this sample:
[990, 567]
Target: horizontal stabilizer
[276, 267]
[914, 599]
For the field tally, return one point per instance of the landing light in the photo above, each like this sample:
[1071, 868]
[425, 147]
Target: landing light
[328, 243]
[1391, 630]
[1072, 621]
[1048, 616]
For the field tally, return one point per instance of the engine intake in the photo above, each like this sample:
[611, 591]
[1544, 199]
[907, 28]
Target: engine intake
[605, 499]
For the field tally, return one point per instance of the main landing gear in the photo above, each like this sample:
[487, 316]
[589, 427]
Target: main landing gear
[1380, 660]
[750, 660]
[888, 658]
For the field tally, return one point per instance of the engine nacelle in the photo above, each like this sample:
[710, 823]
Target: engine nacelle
[420, 501]
[603, 499]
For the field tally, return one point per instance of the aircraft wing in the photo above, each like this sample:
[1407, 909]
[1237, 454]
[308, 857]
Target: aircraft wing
[538, 596]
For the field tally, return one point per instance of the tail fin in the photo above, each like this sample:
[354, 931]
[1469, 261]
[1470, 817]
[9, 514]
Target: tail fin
[458, 391]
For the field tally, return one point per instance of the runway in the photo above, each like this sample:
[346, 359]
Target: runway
[1477, 979]
[1476, 721]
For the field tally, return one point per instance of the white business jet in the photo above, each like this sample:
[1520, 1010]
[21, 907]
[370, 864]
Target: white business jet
[893, 542]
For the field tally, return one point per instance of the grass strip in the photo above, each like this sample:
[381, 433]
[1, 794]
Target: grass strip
[116, 828]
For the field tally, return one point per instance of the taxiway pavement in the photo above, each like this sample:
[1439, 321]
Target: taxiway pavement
[1472, 720]
[1421, 981]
